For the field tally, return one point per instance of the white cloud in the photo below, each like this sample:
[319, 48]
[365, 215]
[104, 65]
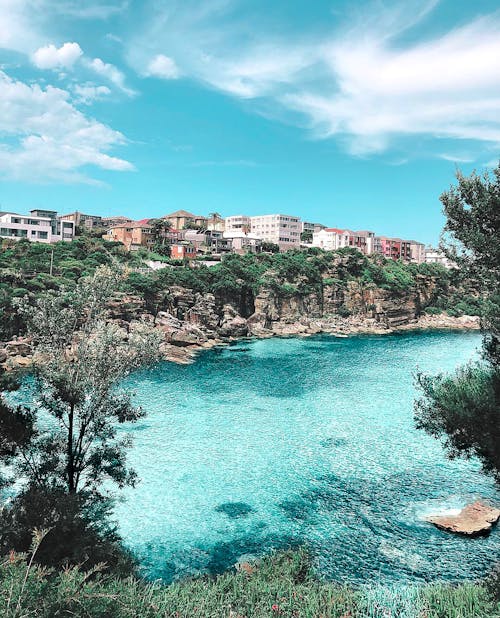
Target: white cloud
[162, 66]
[51, 57]
[362, 80]
[17, 30]
[111, 73]
[46, 138]
[88, 93]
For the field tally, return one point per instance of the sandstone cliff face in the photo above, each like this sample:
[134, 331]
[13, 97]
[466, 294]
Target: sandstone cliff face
[191, 320]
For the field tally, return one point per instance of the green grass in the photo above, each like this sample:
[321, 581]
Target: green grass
[282, 585]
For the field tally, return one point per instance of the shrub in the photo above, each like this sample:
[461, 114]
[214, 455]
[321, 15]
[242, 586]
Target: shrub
[344, 311]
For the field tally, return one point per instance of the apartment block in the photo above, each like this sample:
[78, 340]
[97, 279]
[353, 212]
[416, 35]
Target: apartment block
[61, 230]
[434, 256]
[307, 226]
[34, 228]
[393, 248]
[79, 219]
[283, 230]
[238, 223]
[417, 251]
[332, 238]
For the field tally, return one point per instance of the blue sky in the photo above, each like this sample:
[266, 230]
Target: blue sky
[354, 114]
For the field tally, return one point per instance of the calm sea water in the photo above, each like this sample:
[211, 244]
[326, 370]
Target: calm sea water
[276, 442]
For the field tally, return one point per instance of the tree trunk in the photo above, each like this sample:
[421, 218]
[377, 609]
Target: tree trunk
[70, 456]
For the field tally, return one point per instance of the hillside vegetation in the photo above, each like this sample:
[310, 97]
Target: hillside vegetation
[25, 270]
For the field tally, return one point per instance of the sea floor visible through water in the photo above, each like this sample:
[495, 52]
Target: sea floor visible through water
[280, 442]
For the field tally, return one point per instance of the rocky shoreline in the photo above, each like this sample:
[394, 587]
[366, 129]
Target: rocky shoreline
[184, 341]
[187, 354]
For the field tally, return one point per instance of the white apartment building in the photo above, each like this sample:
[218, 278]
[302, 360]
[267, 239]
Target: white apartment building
[238, 223]
[244, 243]
[283, 230]
[434, 256]
[34, 228]
[331, 238]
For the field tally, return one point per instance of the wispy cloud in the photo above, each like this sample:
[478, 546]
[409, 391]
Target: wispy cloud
[111, 73]
[361, 83]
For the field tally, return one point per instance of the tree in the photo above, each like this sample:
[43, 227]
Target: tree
[159, 231]
[74, 455]
[214, 218]
[464, 408]
[270, 247]
[79, 360]
[306, 236]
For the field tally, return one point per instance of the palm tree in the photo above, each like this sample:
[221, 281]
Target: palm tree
[159, 229]
[213, 218]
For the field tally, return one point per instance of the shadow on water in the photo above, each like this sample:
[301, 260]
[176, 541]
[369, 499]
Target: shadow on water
[234, 510]
[333, 442]
[221, 556]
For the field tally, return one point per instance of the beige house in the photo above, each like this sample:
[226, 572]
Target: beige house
[417, 251]
[180, 218]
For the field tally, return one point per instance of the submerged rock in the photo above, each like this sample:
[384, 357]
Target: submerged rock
[474, 520]
[234, 510]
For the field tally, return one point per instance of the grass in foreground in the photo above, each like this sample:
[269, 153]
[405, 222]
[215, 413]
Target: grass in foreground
[282, 585]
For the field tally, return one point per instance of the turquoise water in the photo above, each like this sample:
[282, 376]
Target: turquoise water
[282, 441]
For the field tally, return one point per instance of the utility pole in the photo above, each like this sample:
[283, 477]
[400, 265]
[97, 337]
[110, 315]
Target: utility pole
[51, 261]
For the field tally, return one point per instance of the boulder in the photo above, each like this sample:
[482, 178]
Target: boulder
[18, 362]
[475, 519]
[204, 313]
[233, 325]
[188, 335]
[19, 347]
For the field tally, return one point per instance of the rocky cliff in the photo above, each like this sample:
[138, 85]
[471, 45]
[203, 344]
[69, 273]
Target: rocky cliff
[192, 320]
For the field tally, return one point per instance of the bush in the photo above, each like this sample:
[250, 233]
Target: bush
[433, 310]
[344, 311]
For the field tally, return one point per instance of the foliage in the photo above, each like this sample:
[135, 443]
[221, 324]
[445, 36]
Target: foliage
[79, 360]
[464, 408]
[64, 447]
[281, 585]
[270, 247]
[25, 268]
[78, 529]
[472, 240]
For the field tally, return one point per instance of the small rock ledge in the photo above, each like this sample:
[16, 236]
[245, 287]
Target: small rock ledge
[475, 519]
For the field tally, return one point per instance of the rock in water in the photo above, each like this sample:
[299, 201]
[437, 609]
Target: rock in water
[473, 520]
